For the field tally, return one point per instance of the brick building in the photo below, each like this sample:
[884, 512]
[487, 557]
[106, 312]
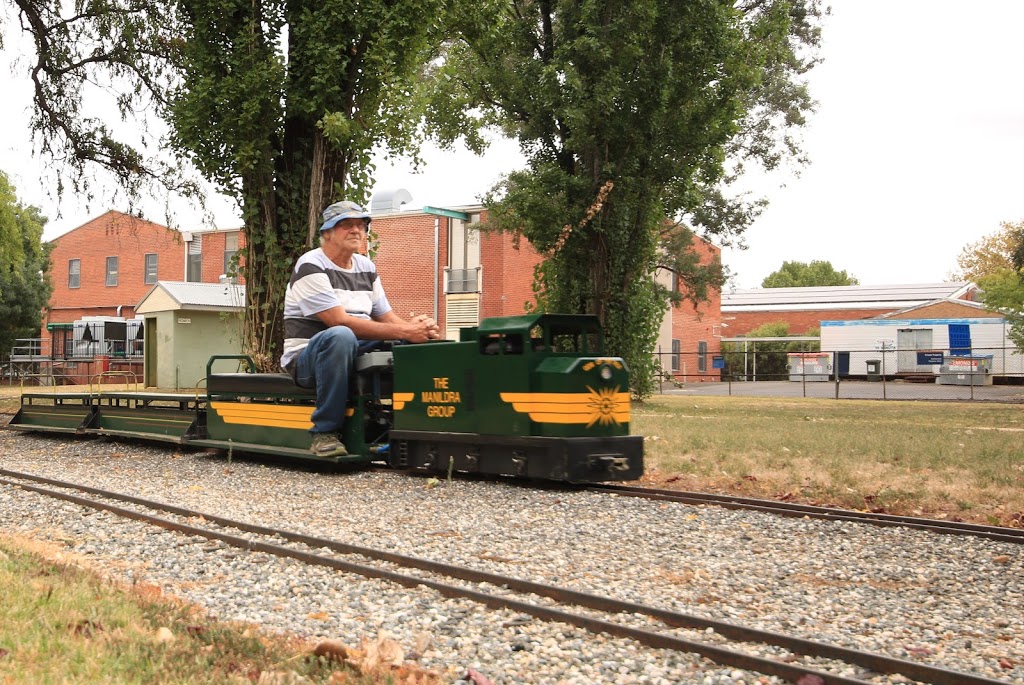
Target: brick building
[431, 261]
[105, 266]
[435, 262]
[108, 264]
[209, 254]
[691, 335]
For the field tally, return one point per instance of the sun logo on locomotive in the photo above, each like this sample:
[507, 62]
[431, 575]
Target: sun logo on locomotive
[603, 406]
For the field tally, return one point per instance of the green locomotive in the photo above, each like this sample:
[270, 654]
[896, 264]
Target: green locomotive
[528, 396]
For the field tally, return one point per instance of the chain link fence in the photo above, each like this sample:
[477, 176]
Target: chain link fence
[801, 370]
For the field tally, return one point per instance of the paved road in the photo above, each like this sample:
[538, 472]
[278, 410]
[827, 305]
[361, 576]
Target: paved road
[892, 390]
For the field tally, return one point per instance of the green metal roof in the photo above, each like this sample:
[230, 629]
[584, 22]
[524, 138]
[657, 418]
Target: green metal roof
[525, 322]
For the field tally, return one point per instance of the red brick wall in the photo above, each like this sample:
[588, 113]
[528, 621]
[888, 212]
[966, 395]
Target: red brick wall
[405, 262]
[508, 274]
[113, 234]
[741, 323]
[948, 310]
[691, 325]
[214, 244]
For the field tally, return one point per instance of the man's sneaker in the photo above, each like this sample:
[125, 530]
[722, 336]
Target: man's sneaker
[327, 445]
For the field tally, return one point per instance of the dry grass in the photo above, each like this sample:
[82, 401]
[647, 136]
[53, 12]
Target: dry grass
[956, 460]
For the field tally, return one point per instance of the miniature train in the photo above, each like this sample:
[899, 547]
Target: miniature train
[526, 396]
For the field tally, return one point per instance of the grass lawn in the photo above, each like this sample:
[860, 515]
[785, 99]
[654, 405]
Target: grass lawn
[947, 459]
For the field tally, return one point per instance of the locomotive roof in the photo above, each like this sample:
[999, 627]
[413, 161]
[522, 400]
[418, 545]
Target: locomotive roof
[525, 322]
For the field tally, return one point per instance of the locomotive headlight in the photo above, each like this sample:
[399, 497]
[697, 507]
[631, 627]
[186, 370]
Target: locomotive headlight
[606, 373]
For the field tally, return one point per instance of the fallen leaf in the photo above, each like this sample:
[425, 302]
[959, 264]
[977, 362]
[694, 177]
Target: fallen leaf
[86, 628]
[477, 678]
[1002, 559]
[381, 652]
[332, 650]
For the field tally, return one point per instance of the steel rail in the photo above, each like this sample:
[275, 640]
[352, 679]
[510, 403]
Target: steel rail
[998, 533]
[874, 662]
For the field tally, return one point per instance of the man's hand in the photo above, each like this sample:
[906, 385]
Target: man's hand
[419, 328]
[422, 328]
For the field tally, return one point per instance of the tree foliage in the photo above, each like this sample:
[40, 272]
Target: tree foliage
[280, 104]
[91, 56]
[633, 116]
[807, 274]
[1001, 250]
[283, 104]
[1003, 291]
[998, 261]
[24, 264]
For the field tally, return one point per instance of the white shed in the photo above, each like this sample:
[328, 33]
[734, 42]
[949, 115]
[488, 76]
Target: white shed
[912, 342]
[186, 324]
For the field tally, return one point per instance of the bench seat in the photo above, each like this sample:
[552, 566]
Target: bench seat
[282, 383]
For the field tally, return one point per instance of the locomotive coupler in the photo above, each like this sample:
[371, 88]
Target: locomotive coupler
[612, 463]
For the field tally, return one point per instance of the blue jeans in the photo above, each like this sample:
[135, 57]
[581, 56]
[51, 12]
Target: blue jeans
[326, 364]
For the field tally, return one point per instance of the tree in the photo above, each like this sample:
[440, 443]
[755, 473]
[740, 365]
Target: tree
[1003, 291]
[806, 275]
[280, 104]
[24, 281]
[631, 115]
[992, 254]
[1003, 287]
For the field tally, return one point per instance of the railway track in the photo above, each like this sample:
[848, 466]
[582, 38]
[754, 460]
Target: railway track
[823, 663]
[998, 533]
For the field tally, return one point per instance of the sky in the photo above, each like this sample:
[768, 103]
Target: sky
[916, 149]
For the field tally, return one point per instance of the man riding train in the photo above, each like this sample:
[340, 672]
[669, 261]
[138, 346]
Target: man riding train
[334, 310]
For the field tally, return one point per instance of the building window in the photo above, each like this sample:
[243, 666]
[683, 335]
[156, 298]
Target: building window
[230, 250]
[675, 354]
[151, 261]
[702, 356]
[111, 271]
[74, 273]
[194, 268]
[463, 257]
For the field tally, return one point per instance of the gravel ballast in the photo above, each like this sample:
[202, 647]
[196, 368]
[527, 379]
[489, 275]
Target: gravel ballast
[949, 601]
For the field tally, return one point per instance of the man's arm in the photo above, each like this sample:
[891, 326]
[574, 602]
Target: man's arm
[387, 326]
